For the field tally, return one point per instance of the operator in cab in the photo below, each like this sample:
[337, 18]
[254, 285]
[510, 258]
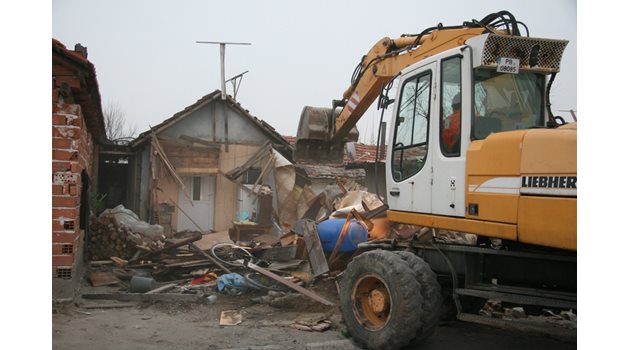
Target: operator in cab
[451, 130]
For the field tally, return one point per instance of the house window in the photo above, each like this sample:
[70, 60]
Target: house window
[196, 188]
[251, 175]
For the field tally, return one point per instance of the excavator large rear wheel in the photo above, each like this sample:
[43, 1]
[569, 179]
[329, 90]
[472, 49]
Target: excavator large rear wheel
[380, 302]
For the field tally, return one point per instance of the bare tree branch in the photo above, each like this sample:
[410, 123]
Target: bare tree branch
[116, 125]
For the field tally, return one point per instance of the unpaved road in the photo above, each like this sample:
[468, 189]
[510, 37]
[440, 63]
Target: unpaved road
[196, 326]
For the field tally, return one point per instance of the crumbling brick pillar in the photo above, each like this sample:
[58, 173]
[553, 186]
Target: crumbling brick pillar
[72, 153]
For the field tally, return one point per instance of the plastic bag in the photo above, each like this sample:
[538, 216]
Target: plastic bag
[129, 219]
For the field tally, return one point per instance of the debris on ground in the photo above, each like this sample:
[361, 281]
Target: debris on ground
[309, 323]
[563, 318]
[277, 262]
[230, 318]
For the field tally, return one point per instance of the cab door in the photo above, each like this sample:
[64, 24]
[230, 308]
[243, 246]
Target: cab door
[449, 161]
[409, 163]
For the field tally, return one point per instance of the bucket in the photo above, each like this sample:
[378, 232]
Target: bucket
[142, 284]
[330, 230]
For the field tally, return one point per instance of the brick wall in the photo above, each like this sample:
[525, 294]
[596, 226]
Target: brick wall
[72, 152]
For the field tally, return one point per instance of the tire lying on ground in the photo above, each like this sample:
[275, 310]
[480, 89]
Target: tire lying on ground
[431, 295]
[381, 302]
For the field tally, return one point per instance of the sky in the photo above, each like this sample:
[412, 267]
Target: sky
[149, 65]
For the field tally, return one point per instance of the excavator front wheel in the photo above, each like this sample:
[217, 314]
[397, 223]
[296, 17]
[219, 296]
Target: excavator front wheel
[380, 302]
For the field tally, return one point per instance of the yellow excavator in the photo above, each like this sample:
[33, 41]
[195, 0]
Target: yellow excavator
[473, 148]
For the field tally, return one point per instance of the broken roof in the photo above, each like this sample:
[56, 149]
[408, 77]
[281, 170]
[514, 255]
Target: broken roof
[276, 138]
[87, 95]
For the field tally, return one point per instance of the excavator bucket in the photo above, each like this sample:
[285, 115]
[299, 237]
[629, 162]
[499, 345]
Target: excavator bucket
[313, 141]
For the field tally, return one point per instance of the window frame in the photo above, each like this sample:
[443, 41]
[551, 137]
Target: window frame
[395, 168]
[441, 122]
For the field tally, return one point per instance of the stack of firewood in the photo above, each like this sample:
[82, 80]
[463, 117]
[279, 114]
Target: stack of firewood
[108, 238]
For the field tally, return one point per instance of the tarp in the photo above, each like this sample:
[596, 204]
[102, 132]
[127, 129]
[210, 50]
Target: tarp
[129, 219]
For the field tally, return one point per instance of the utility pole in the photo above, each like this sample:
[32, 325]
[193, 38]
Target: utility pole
[223, 95]
[222, 53]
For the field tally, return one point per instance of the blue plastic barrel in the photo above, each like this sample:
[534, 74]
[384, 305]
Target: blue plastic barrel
[329, 231]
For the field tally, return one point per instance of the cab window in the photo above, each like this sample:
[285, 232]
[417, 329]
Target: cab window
[450, 107]
[505, 101]
[412, 127]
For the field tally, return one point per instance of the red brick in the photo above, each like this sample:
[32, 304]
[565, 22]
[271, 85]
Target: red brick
[62, 260]
[57, 225]
[76, 122]
[67, 202]
[65, 132]
[75, 168]
[73, 190]
[65, 155]
[60, 69]
[73, 82]
[61, 167]
[55, 94]
[66, 213]
[57, 249]
[59, 120]
[57, 190]
[61, 143]
[62, 237]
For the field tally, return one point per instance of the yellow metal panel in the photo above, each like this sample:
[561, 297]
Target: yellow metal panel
[494, 207]
[483, 228]
[505, 149]
[548, 221]
[550, 151]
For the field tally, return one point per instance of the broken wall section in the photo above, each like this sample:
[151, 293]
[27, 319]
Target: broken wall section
[72, 154]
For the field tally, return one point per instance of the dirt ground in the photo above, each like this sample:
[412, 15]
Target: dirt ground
[173, 325]
[191, 326]
[165, 326]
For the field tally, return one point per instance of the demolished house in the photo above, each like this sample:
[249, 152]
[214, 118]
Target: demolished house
[180, 168]
[77, 131]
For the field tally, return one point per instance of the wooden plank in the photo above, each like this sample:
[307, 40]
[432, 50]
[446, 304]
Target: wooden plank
[316, 255]
[103, 279]
[253, 160]
[200, 251]
[205, 142]
[291, 285]
[162, 288]
[166, 297]
[107, 306]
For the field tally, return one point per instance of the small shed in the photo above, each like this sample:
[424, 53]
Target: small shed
[180, 165]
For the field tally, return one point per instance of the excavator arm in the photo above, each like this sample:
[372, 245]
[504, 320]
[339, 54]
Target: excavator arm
[384, 62]
[322, 132]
